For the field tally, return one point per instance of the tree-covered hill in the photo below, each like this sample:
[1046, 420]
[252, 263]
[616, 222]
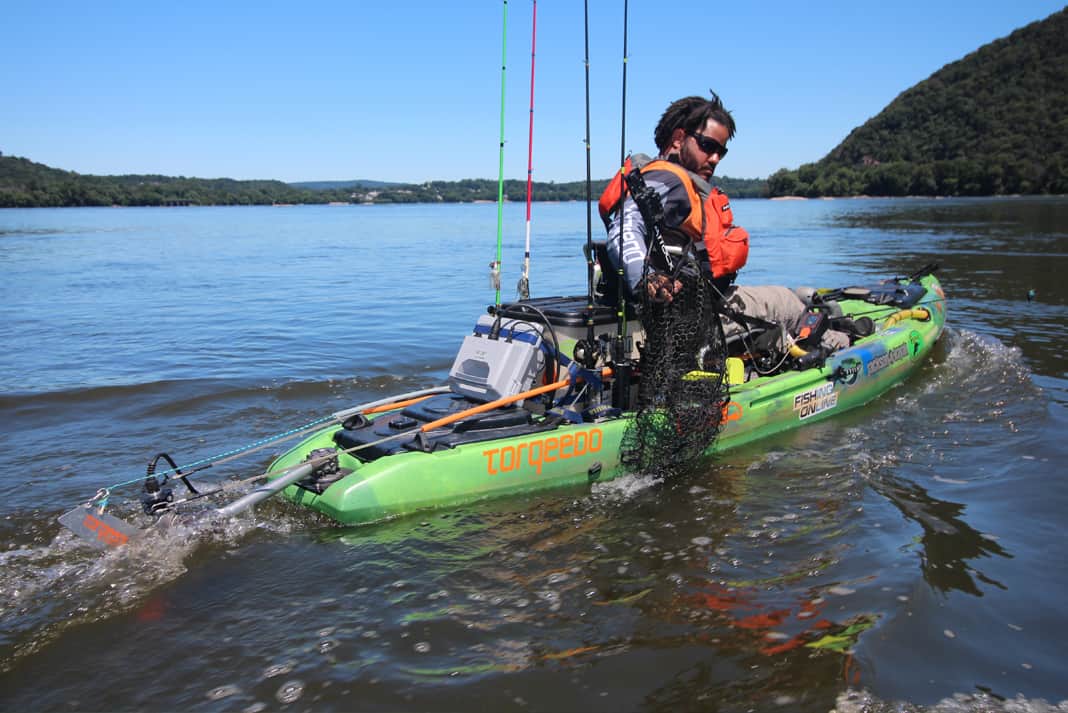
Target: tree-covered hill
[24, 183]
[330, 185]
[994, 122]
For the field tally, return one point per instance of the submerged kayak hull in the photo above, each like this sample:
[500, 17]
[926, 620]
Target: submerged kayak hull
[577, 454]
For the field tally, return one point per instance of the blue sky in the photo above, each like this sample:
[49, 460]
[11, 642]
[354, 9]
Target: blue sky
[411, 91]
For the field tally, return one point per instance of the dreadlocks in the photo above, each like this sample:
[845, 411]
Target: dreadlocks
[691, 114]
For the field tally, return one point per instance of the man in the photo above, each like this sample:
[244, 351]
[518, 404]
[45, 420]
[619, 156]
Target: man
[692, 138]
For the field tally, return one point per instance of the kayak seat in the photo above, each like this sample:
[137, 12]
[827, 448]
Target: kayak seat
[757, 341]
[607, 287]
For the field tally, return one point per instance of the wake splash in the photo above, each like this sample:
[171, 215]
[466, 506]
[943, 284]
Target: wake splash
[48, 587]
[982, 362]
[864, 702]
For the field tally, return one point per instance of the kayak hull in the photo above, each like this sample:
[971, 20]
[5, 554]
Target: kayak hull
[580, 454]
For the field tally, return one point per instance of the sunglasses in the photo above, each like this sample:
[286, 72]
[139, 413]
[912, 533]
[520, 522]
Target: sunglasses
[708, 144]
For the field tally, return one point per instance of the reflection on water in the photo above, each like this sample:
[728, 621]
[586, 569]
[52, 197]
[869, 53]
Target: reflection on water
[948, 543]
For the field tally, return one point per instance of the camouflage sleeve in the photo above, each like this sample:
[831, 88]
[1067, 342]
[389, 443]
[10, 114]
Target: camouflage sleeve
[635, 234]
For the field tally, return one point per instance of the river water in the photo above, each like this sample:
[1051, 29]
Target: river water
[904, 556]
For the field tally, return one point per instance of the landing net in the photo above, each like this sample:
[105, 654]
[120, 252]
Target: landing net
[682, 389]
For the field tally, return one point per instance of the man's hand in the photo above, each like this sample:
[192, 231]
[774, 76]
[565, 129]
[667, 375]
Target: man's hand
[662, 288]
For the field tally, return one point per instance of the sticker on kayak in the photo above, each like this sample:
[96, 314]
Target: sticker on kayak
[915, 343]
[543, 450]
[848, 371]
[814, 401]
[98, 528]
[890, 358]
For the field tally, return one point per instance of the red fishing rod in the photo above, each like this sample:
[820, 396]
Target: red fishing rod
[524, 280]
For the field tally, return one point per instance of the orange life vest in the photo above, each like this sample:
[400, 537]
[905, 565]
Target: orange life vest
[710, 221]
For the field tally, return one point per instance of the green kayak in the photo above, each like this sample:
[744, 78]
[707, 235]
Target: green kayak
[474, 439]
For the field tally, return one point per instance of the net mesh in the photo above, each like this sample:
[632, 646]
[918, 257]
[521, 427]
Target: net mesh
[682, 386]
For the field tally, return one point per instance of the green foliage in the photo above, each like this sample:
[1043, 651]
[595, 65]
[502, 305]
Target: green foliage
[25, 184]
[994, 122]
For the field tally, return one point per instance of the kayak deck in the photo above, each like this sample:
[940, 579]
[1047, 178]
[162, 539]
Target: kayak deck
[386, 467]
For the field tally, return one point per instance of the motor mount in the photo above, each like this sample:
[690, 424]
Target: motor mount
[326, 473]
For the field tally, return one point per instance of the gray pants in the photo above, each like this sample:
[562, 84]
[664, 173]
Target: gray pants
[777, 304]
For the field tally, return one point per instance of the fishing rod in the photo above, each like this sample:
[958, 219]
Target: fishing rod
[620, 396]
[495, 266]
[589, 190]
[524, 280]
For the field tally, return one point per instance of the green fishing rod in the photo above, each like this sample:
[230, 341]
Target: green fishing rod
[495, 267]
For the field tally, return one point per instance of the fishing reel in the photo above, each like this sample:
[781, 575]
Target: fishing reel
[587, 353]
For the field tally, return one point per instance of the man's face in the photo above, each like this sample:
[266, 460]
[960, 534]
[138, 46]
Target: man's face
[697, 159]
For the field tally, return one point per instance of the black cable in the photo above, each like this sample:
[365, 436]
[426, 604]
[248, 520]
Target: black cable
[150, 474]
[552, 333]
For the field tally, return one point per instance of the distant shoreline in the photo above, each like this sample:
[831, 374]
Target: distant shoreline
[342, 204]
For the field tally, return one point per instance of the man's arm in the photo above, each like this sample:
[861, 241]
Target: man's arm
[676, 204]
[633, 248]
